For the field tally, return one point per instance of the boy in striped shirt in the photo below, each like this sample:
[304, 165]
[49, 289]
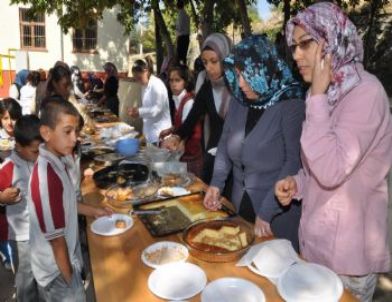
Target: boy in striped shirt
[55, 247]
[14, 178]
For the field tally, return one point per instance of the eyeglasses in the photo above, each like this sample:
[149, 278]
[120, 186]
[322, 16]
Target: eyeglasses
[303, 45]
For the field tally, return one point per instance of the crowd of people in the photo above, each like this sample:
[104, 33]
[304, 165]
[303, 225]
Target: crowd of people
[302, 159]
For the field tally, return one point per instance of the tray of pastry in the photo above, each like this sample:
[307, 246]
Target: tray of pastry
[176, 214]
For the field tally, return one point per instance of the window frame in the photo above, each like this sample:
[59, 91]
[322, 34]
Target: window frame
[32, 25]
[84, 39]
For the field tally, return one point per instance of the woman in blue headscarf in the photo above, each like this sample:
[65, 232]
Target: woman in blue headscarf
[20, 81]
[260, 139]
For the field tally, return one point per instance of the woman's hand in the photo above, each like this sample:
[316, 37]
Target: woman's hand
[262, 228]
[322, 74]
[133, 112]
[212, 200]
[285, 190]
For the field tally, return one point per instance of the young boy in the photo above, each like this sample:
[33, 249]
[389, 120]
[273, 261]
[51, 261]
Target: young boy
[14, 178]
[55, 248]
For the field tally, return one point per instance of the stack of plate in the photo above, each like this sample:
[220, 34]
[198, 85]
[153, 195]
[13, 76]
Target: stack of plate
[308, 282]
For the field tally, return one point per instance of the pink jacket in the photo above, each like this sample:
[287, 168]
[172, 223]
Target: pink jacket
[346, 155]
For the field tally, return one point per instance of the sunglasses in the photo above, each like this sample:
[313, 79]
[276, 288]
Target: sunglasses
[303, 45]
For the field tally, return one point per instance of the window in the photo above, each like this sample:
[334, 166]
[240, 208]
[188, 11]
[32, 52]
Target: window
[85, 40]
[32, 30]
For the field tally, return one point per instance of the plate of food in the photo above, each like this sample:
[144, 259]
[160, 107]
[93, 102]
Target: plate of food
[6, 144]
[111, 225]
[221, 240]
[177, 179]
[172, 191]
[164, 252]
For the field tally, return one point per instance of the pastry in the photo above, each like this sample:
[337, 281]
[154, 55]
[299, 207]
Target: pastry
[120, 224]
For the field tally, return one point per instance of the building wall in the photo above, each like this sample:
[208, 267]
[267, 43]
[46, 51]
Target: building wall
[112, 44]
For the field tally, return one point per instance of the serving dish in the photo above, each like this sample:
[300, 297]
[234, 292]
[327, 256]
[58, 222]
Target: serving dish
[220, 240]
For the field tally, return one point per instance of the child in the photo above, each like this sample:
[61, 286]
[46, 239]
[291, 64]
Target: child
[14, 177]
[181, 88]
[55, 248]
[10, 112]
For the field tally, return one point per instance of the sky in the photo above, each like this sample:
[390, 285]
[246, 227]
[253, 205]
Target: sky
[263, 8]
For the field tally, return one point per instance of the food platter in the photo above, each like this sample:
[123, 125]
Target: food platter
[222, 240]
[176, 214]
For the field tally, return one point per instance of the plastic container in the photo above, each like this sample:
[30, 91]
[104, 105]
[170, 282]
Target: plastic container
[127, 146]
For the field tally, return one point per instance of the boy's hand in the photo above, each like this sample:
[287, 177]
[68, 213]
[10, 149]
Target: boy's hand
[10, 196]
[99, 212]
[285, 190]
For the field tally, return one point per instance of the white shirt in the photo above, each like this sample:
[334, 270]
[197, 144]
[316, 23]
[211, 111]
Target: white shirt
[182, 24]
[187, 107]
[155, 110]
[13, 92]
[27, 99]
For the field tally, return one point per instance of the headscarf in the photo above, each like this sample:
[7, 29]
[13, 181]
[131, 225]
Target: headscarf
[265, 72]
[327, 21]
[21, 77]
[110, 69]
[221, 45]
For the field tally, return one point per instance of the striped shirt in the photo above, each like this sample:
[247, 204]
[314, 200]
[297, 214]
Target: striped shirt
[53, 214]
[15, 172]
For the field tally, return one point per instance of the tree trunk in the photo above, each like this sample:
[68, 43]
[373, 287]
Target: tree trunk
[158, 45]
[287, 11]
[208, 13]
[244, 17]
[165, 35]
[194, 14]
[375, 4]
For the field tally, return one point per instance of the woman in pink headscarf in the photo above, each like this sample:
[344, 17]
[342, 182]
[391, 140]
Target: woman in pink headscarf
[346, 151]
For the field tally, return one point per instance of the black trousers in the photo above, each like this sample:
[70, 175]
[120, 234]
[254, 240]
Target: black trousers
[182, 48]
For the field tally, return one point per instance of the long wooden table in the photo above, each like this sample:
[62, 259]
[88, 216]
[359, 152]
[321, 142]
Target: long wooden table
[119, 275]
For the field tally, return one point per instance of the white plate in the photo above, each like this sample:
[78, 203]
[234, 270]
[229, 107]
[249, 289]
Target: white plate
[105, 226]
[172, 191]
[164, 244]
[232, 290]
[177, 281]
[307, 282]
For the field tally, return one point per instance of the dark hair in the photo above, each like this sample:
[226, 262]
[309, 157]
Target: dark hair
[52, 107]
[55, 75]
[13, 108]
[180, 4]
[142, 65]
[34, 77]
[184, 74]
[26, 130]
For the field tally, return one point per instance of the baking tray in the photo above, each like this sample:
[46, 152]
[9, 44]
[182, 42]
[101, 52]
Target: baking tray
[132, 173]
[171, 220]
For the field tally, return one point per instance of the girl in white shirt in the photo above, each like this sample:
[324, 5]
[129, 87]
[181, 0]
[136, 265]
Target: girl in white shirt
[28, 93]
[155, 110]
